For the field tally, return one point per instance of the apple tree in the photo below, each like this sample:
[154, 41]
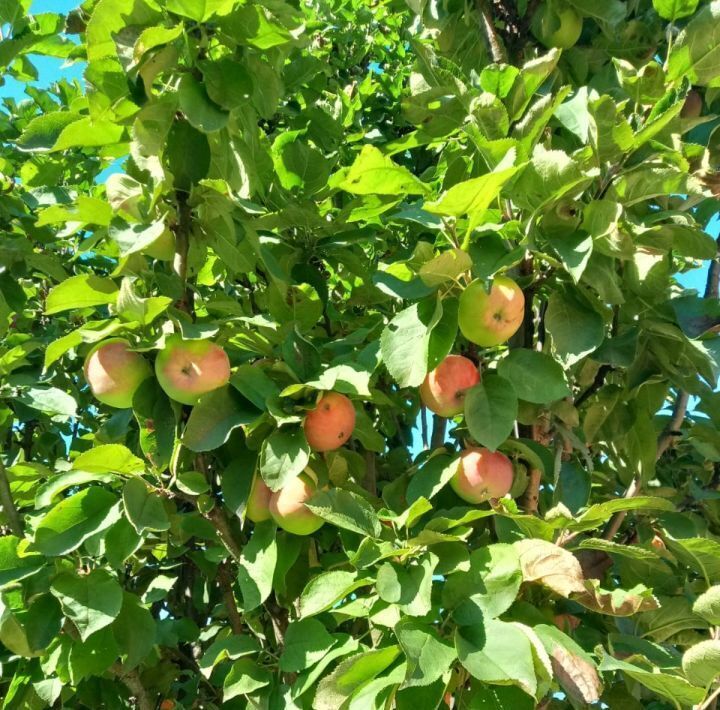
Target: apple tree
[361, 355]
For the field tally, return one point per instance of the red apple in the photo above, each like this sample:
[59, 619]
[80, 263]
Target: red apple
[288, 509]
[258, 505]
[114, 372]
[443, 391]
[331, 423]
[482, 474]
[492, 318]
[187, 369]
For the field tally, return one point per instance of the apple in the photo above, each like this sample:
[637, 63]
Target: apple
[482, 474]
[187, 369]
[492, 318]
[288, 509]
[114, 372]
[557, 25]
[692, 108]
[331, 423]
[443, 391]
[163, 248]
[258, 505]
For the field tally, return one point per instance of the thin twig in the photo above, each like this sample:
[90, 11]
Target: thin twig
[424, 427]
[710, 701]
[224, 577]
[8, 504]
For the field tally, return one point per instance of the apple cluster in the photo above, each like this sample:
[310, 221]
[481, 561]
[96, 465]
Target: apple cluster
[187, 369]
[486, 318]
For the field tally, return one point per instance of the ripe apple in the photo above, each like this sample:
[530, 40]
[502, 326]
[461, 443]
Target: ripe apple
[489, 319]
[482, 474]
[443, 391]
[258, 505]
[331, 423]
[557, 25]
[187, 369]
[114, 372]
[288, 509]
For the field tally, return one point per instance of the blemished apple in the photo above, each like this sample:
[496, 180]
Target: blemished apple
[443, 391]
[114, 372]
[482, 474]
[258, 505]
[288, 509]
[331, 423]
[492, 318]
[557, 25]
[187, 369]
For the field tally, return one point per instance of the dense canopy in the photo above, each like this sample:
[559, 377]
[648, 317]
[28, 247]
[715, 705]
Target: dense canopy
[230, 257]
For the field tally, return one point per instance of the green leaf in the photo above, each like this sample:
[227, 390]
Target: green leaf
[707, 605]
[350, 675]
[701, 662]
[696, 52]
[306, 642]
[145, 510]
[199, 110]
[82, 291]
[251, 24]
[429, 657]
[674, 9]
[612, 11]
[600, 513]
[74, 520]
[535, 377]
[199, 10]
[214, 418]
[58, 405]
[15, 562]
[328, 588]
[488, 589]
[700, 554]
[231, 647]
[405, 342]
[446, 266]
[92, 601]
[677, 689]
[134, 630]
[255, 385]
[575, 328]
[93, 656]
[245, 677]
[299, 165]
[109, 458]
[62, 481]
[410, 586]
[42, 132]
[89, 132]
[497, 652]
[346, 510]
[285, 454]
[188, 155]
[490, 411]
[431, 478]
[373, 173]
[156, 421]
[257, 565]
[227, 82]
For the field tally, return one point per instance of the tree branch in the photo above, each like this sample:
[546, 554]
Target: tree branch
[497, 51]
[8, 504]
[224, 577]
[438, 432]
[134, 684]
[182, 246]
[531, 497]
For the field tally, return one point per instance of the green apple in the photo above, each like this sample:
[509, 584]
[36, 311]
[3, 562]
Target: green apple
[187, 369]
[258, 505]
[482, 474]
[557, 25]
[114, 372]
[443, 391]
[331, 423]
[288, 509]
[491, 318]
